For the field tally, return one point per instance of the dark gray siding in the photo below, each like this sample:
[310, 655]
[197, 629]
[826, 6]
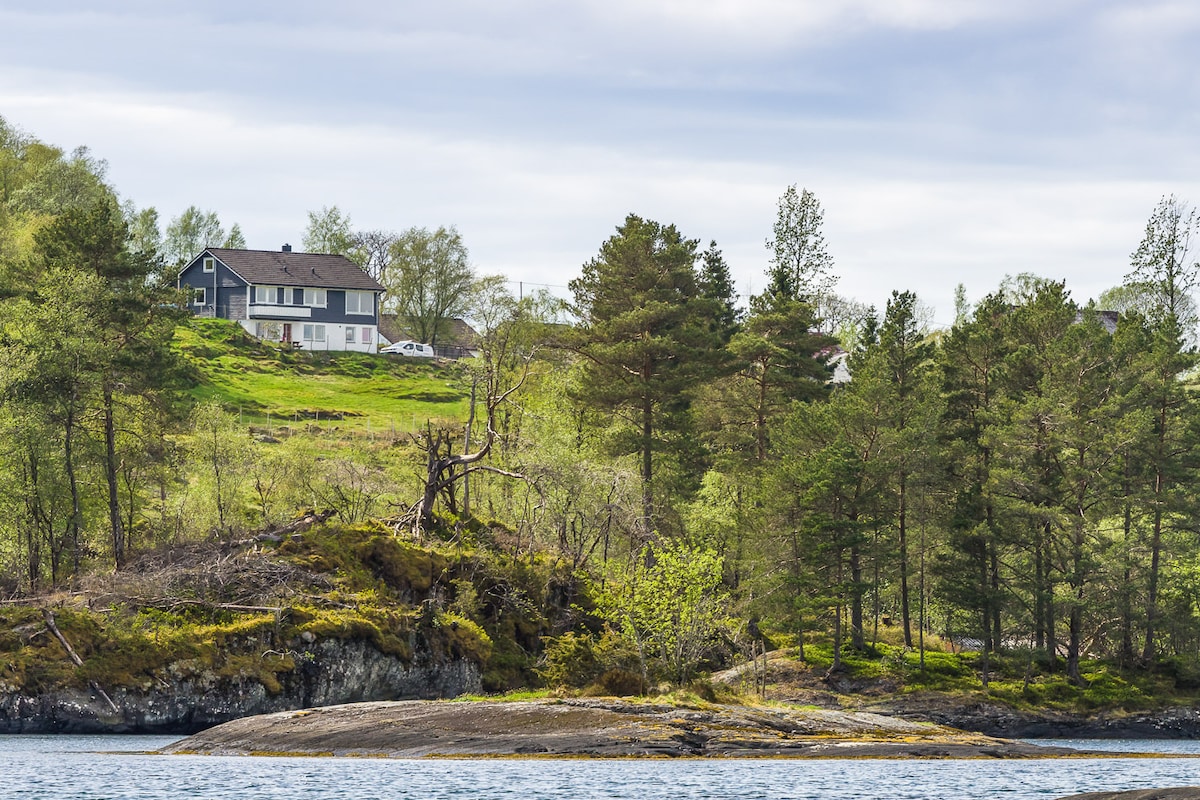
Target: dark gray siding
[228, 288]
[335, 311]
[231, 303]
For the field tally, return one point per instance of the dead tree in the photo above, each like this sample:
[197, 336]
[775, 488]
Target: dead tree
[443, 469]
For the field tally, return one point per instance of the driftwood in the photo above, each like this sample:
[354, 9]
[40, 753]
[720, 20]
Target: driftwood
[165, 603]
[48, 615]
[277, 535]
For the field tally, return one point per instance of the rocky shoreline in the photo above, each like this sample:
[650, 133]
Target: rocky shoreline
[603, 728]
[796, 683]
[1174, 793]
[184, 700]
[995, 719]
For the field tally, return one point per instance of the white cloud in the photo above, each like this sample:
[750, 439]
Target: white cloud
[1135, 22]
[983, 148]
[779, 22]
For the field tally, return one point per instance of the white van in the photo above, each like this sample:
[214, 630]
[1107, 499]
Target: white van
[409, 348]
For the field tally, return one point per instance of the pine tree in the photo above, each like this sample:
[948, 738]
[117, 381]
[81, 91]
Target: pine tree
[716, 284]
[1165, 456]
[120, 340]
[905, 355]
[973, 358]
[779, 352]
[645, 336]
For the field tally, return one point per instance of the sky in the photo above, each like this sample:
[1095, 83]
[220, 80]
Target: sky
[948, 141]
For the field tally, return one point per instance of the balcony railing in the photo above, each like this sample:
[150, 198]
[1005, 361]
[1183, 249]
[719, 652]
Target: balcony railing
[280, 312]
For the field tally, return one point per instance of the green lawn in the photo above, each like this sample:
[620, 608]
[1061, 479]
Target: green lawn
[268, 384]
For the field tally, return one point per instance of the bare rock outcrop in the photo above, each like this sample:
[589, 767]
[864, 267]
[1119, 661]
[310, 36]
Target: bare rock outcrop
[185, 700]
[592, 727]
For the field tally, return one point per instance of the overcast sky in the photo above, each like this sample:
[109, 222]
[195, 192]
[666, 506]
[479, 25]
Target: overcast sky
[947, 140]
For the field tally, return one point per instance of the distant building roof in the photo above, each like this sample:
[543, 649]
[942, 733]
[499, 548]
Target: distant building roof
[839, 359]
[1108, 319]
[457, 332]
[285, 268]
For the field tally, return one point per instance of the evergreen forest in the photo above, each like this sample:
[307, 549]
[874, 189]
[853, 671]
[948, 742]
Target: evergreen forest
[696, 478]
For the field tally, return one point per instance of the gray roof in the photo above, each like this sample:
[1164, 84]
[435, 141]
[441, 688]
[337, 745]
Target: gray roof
[280, 268]
[1108, 319]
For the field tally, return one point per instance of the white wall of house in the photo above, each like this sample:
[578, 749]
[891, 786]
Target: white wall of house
[316, 335]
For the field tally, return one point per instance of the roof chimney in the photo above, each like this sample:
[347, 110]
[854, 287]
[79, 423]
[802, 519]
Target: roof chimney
[287, 248]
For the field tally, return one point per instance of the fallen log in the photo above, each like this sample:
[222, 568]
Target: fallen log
[52, 626]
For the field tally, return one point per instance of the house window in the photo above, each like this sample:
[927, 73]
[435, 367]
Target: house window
[200, 296]
[360, 303]
[314, 333]
[366, 335]
[265, 294]
[314, 297]
[210, 264]
[269, 331]
[349, 334]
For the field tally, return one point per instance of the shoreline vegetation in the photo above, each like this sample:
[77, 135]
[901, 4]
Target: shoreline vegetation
[328, 614]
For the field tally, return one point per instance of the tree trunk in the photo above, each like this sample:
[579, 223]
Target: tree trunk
[467, 449]
[760, 417]
[75, 526]
[48, 616]
[34, 524]
[110, 475]
[1075, 635]
[857, 640]
[905, 616]
[994, 593]
[837, 639]
[1075, 620]
[921, 593]
[1148, 651]
[647, 465]
[433, 477]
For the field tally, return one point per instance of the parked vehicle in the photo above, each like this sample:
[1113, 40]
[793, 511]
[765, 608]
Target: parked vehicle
[409, 348]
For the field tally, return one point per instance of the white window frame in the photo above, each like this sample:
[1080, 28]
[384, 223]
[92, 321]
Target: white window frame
[270, 293]
[366, 334]
[316, 298]
[351, 332]
[361, 300]
[199, 295]
[313, 332]
[209, 264]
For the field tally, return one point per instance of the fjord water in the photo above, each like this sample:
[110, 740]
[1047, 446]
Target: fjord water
[110, 768]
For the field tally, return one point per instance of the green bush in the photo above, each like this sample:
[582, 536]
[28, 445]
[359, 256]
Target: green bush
[569, 660]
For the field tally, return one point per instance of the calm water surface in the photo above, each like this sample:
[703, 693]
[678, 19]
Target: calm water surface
[109, 768]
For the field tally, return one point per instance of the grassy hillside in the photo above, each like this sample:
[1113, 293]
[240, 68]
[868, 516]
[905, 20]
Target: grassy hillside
[272, 385]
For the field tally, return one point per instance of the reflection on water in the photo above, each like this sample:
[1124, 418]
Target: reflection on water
[86, 768]
[1180, 747]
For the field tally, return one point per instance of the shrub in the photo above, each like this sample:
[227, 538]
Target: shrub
[569, 660]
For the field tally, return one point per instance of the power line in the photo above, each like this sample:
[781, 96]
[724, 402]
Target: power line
[522, 284]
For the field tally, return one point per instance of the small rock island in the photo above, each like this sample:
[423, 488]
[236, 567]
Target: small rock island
[593, 727]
